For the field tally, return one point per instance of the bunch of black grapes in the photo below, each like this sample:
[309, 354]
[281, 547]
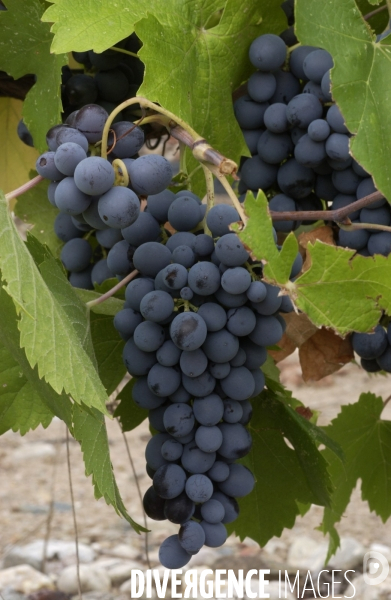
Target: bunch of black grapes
[106, 79]
[197, 319]
[300, 149]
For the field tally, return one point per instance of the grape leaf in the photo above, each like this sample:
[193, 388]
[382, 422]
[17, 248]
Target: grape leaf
[342, 292]
[32, 401]
[16, 159]
[108, 347]
[59, 405]
[90, 431]
[366, 442]
[21, 407]
[258, 237]
[25, 48]
[285, 478]
[280, 481]
[129, 414]
[52, 321]
[97, 27]
[361, 78]
[34, 207]
[209, 62]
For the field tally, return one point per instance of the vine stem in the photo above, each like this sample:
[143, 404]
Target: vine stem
[73, 513]
[210, 196]
[113, 290]
[145, 103]
[388, 4]
[375, 12]
[128, 52]
[24, 188]
[179, 129]
[230, 192]
[354, 226]
[337, 215]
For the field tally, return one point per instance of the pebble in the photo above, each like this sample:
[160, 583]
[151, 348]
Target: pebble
[349, 555]
[33, 451]
[91, 578]
[31, 554]
[118, 570]
[125, 551]
[24, 579]
[307, 554]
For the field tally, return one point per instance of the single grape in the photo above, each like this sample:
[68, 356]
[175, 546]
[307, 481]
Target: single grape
[151, 257]
[94, 176]
[119, 259]
[268, 52]
[119, 207]
[126, 321]
[150, 174]
[76, 255]
[172, 555]
[90, 120]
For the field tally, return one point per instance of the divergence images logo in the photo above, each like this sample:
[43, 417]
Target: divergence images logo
[376, 568]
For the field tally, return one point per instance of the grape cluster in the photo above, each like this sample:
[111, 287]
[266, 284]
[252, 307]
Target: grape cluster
[300, 144]
[374, 349]
[107, 79]
[82, 188]
[197, 322]
[197, 319]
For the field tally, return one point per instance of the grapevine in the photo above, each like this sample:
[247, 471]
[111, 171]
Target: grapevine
[201, 298]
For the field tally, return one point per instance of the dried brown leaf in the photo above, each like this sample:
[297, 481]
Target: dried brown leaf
[324, 353]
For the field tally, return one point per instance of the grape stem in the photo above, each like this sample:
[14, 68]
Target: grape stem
[230, 192]
[113, 290]
[210, 197]
[375, 12]
[388, 4]
[179, 129]
[128, 52]
[24, 188]
[339, 215]
[353, 226]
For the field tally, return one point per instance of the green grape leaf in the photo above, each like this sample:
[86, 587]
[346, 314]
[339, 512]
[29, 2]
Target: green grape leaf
[129, 414]
[21, 407]
[16, 159]
[32, 389]
[52, 319]
[280, 480]
[97, 27]
[27, 401]
[34, 207]
[108, 347]
[258, 237]
[109, 307]
[360, 78]
[366, 441]
[25, 48]
[90, 430]
[342, 292]
[210, 60]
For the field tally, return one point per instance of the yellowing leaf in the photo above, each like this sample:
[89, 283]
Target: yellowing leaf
[16, 159]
